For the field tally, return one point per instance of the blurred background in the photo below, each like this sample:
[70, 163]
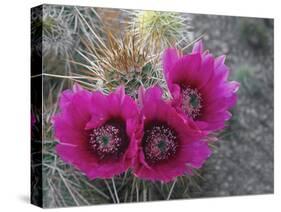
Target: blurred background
[243, 162]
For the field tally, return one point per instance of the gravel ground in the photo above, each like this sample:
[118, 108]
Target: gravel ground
[243, 161]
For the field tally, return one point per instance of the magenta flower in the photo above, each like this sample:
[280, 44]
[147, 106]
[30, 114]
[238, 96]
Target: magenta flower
[199, 85]
[96, 132]
[168, 146]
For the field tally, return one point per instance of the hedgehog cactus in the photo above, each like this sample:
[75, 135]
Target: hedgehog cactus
[121, 61]
[160, 29]
[104, 60]
[57, 37]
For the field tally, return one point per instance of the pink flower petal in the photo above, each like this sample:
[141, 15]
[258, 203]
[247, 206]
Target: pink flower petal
[198, 47]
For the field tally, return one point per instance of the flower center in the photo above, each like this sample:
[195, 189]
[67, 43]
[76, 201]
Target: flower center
[191, 102]
[159, 143]
[109, 141]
